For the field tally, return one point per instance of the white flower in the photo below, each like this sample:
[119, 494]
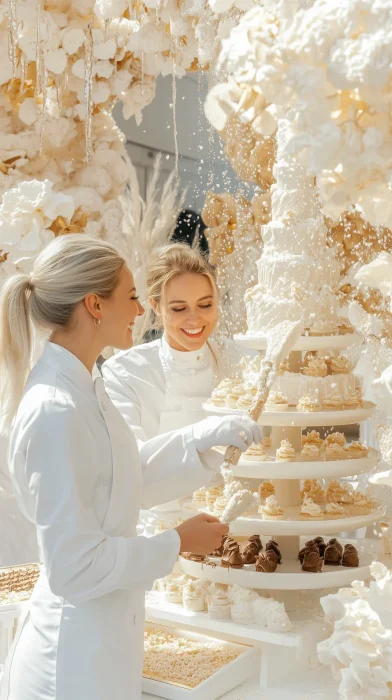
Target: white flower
[56, 61]
[28, 111]
[109, 9]
[72, 40]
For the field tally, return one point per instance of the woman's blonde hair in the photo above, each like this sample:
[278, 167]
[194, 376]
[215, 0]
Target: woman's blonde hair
[67, 270]
[173, 260]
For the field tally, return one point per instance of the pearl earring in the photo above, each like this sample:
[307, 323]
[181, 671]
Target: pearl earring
[97, 321]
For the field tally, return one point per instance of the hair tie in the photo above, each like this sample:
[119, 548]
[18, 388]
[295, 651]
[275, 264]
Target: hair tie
[29, 283]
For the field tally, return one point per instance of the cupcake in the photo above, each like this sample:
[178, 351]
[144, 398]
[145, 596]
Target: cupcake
[361, 504]
[308, 485]
[316, 367]
[316, 493]
[338, 438]
[212, 494]
[310, 510]
[232, 400]
[286, 452]
[218, 603]
[308, 404]
[333, 451]
[244, 402]
[219, 505]
[333, 401]
[351, 401]
[242, 600]
[199, 497]
[218, 398]
[312, 438]
[266, 441]
[193, 596]
[356, 450]
[173, 592]
[271, 509]
[335, 510]
[266, 489]
[283, 368]
[276, 402]
[310, 453]
[339, 365]
[255, 453]
[339, 493]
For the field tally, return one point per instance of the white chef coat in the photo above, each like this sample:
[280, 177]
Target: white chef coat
[78, 475]
[158, 389]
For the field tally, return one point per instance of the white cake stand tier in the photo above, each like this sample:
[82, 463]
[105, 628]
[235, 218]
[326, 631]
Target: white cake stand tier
[305, 342]
[289, 575]
[270, 468]
[301, 418]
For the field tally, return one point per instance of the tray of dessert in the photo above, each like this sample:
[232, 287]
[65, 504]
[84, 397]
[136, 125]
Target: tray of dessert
[292, 416]
[17, 583]
[319, 457]
[259, 564]
[179, 664]
[344, 338]
[332, 507]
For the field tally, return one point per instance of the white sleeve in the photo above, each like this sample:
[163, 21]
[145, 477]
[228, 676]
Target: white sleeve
[55, 477]
[173, 468]
[118, 385]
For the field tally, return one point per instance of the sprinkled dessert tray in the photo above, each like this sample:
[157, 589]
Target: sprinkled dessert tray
[289, 575]
[300, 418]
[222, 681]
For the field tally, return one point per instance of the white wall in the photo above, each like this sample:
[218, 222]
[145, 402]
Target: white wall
[202, 165]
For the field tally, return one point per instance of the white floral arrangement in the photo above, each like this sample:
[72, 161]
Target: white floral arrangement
[359, 651]
[329, 69]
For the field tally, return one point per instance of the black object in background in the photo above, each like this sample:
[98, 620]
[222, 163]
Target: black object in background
[189, 222]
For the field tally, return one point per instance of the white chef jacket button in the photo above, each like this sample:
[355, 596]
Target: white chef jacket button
[134, 619]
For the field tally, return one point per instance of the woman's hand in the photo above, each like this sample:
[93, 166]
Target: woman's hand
[240, 431]
[201, 534]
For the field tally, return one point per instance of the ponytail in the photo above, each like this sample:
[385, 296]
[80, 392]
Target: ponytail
[64, 273]
[15, 345]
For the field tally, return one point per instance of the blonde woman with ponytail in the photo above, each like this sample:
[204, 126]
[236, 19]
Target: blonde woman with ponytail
[161, 385]
[81, 478]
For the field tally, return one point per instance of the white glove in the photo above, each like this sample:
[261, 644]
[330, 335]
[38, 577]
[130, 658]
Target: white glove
[240, 431]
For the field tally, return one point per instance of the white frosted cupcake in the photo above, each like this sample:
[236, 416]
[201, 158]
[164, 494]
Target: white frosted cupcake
[218, 603]
[286, 452]
[271, 509]
[193, 597]
[337, 438]
[362, 505]
[244, 402]
[356, 450]
[316, 367]
[212, 494]
[266, 489]
[334, 451]
[266, 441]
[199, 497]
[310, 453]
[312, 438]
[255, 453]
[308, 404]
[335, 510]
[339, 365]
[333, 401]
[310, 510]
[276, 402]
[232, 400]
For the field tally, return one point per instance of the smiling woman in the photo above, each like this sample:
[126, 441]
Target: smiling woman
[161, 386]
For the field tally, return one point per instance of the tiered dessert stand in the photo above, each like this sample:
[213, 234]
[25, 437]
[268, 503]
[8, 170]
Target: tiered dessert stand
[291, 532]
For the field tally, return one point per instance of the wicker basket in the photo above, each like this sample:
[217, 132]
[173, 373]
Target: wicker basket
[18, 579]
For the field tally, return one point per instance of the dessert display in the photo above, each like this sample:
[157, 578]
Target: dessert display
[318, 552]
[181, 660]
[17, 583]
